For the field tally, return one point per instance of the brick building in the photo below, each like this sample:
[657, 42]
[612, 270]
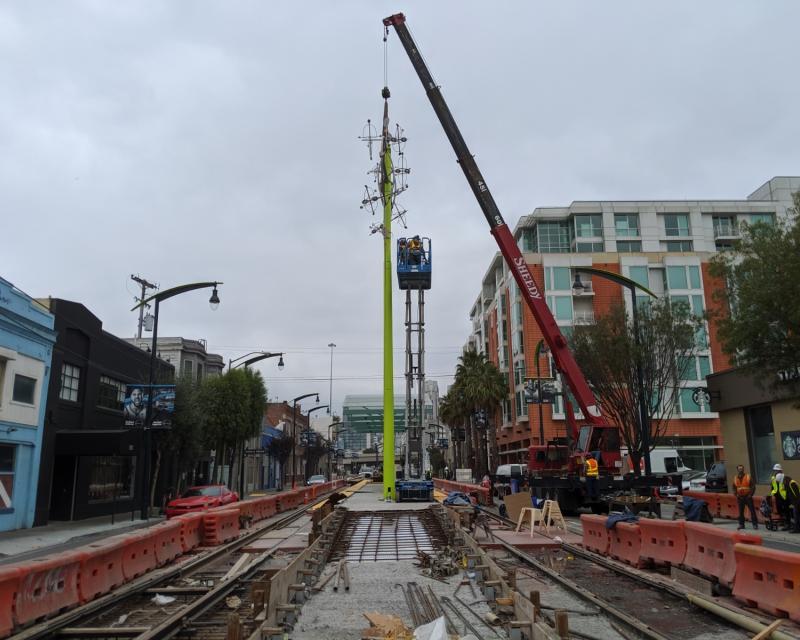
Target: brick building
[664, 245]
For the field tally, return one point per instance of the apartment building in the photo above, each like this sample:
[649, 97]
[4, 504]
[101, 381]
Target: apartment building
[664, 245]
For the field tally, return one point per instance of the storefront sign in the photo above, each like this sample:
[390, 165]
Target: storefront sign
[790, 443]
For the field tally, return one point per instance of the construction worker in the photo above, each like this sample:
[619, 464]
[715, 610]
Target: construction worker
[792, 500]
[415, 250]
[592, 474]
[778, 493]
[744, 489]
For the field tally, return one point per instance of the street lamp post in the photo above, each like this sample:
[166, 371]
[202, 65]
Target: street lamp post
[330, 389]
[541, 349]
[157, 298]
[632, 286]
[308, 436]
[294, 432]
[257, 357]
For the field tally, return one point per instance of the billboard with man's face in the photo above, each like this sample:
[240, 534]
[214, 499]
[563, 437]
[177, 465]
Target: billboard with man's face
[135, 407]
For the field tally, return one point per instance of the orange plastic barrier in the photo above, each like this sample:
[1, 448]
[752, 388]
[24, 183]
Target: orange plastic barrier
[595, 534]
[768, 579]
[167, 541]
[48, 586]
[729, 506]
[220, 526]
[270, 506]
[139, 554]
[191, 530]
[663, 541]
[10, 577]
[709, 550]
[711, 499]
[101, 568]
[625, 543]
[248, 510]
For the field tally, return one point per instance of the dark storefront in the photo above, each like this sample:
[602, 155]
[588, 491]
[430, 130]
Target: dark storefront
[91, 463]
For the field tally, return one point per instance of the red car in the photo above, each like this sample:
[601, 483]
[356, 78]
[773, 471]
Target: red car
[200, 499]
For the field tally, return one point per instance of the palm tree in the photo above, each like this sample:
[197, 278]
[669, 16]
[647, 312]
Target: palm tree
[452, 414]
[481, 388]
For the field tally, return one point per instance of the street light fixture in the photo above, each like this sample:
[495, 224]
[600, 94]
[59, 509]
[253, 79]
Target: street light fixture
[632, 286]
[158, 298]
[308, 434]
[294, 432]
[258, 355]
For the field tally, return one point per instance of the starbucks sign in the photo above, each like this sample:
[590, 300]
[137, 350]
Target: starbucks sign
[790, 443]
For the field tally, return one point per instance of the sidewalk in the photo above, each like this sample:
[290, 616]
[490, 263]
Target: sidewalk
[54, 537]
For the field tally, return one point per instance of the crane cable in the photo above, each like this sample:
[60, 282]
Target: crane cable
[386, 56]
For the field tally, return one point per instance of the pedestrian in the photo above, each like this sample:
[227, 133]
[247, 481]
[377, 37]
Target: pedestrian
[744, 489]
[778, 494]
[793, 500]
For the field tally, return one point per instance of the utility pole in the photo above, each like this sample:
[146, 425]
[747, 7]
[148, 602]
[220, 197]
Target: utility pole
[145, 286]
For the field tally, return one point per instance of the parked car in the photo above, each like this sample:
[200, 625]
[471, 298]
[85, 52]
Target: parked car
[717, 478]
[201, 498]
[316, 480]
[688, 482]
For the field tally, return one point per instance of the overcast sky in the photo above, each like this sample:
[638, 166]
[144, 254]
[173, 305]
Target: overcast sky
[189, 141]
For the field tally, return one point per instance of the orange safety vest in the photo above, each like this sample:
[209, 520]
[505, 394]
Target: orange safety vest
[743, 484]
[592, 470]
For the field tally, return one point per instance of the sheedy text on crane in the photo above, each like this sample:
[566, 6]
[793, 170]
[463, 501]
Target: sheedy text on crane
[527, 278]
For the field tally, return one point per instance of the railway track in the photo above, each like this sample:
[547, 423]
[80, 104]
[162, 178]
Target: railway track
[200, 596]
[634, 605]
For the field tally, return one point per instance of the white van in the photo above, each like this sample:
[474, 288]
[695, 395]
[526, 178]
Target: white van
[662, 461]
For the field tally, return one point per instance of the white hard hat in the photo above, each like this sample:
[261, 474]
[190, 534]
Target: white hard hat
[777, 467]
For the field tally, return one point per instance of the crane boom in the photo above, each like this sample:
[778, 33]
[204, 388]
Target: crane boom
[505, 240]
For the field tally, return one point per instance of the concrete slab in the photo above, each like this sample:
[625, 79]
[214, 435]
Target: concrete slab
[524, 540]
[373, 587]
[370, 498]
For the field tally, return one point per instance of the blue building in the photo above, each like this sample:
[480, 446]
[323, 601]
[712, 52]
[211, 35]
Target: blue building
[26, 349]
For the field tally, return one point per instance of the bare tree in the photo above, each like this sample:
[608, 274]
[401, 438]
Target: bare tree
[608, 353]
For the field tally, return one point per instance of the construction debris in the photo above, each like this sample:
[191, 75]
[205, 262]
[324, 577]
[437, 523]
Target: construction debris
[385, 627]
[443, 563]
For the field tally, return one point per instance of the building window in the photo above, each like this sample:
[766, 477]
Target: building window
[724, 226]
[557, 279]
[676, 224]
[554, 237]
[694, 368]
[676, 278]
[24, 389]
[589, 226]
[111, 393]
[629, 246]
[766, 218]
[6, 476]
[111, 477]
[199, 372]
[677, 246]
[639, 275]
[561, 306]
[590, 247]
[627, 225]
[528, 241]
[187, 368]
[762, 442]
[70, 382]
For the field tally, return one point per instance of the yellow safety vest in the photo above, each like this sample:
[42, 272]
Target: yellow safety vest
[778, 488]
[592, 470]
[743, 486]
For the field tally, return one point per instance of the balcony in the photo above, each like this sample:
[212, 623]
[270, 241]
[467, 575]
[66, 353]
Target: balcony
[583, 317]
[725, 228]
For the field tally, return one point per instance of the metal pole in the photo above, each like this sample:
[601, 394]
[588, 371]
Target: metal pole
[541, 404]
[294, 442]
[387, 185]
[148, 420]
[644, 421]
[330, 389]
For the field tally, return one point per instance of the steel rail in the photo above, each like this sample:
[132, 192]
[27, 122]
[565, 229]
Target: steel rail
[607, 608]
[50, 628]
